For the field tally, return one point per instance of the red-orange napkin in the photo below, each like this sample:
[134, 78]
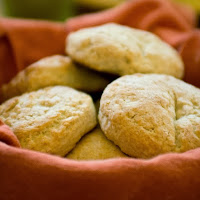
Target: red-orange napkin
[23, 42]
[170, 21]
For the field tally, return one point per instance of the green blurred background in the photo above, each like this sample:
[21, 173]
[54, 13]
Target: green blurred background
[40, 9]
[60, 10]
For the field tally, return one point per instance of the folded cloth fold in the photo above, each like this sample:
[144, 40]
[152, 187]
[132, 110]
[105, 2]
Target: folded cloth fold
[150, 15]
[31, 175]
[190, 52]
[23, 42]
[7, 136]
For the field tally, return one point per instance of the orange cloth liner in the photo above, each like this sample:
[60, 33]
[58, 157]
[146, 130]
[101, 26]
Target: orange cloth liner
[26, 174]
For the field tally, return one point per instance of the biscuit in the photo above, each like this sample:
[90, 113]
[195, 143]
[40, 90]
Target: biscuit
[122, 50]
[148, 115]
[50, 120]
[95, 146]
[51, 71]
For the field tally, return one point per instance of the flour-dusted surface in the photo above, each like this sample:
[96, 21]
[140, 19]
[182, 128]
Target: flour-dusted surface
[50, 120]
[122, 50]
[51, 71]
[147, 115]
[95, 146]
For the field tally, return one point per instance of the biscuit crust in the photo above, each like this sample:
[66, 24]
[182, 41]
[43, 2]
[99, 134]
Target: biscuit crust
[122, 50]
[148, 115]
[95, 146]
[50, 120]
[51, 71]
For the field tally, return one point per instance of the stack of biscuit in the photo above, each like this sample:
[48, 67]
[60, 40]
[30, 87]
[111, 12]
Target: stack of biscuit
[145, 112]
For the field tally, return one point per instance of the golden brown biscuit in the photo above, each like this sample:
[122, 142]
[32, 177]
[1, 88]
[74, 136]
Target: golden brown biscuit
[123, 50]
[50, 120]
[147, 115]
[95, 146]
[50, 71]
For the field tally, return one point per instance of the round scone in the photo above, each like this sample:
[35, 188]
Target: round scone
[147, 115]
[51, 71]
[123, 50]
[50, 120]
[95, 146]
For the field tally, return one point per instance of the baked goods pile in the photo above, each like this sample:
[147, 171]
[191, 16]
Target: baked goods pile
[146, 112]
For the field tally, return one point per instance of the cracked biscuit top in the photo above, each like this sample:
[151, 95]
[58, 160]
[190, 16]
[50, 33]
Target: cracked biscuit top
[50, 120]
[123, 50]
[147, 115]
